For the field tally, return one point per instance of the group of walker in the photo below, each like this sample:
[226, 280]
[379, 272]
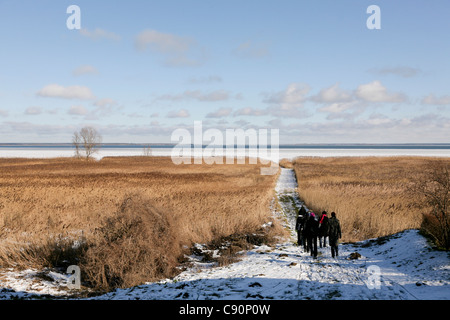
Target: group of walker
[311, 228]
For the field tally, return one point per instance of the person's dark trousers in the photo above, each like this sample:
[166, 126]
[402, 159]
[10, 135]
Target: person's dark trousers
[334, 251]
[334, 248]
[314, 247]
[299, 238]
[305, 242]
[309, 244]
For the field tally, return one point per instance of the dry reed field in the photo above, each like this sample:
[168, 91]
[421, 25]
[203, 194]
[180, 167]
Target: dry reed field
[371, 196]
[124, 220]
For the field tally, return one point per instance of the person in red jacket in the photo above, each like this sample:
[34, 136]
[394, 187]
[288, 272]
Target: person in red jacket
[323, 229]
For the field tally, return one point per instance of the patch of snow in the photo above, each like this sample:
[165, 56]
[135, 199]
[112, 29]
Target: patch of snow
[33, 284]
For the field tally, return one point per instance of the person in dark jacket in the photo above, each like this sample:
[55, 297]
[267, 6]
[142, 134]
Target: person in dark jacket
[305, 233]
[312, 228]
[334, 233]
[300, 226]
[323, 229]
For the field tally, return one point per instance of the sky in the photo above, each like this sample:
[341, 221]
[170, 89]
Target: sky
[138, 70]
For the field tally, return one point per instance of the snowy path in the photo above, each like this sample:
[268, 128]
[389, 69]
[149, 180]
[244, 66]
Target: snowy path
[401, 266]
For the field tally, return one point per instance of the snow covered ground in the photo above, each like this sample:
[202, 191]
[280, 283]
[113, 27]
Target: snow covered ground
[399, 267]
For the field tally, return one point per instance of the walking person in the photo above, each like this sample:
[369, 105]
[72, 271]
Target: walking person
[323, 229]
[312, 226]
[334, 234]
[300, 226]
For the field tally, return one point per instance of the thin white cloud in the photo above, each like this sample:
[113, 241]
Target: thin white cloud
[105, 102]
[13, 127]
[333, 94]
[70, 92]
[248, 111]
[402, 71]
[376, 92]
[183, 113]
[205, 80]
[344, 110]
[162, 42]
[176, 50]
[252, 50]
[78, 110]
[104, 108]
[433, 100]
[289, 102]
[98, 34]
[293, 95]
[217, 95]
[380, 120]
[84, 70]
[336, 107]
[34, 111]
[220, 113]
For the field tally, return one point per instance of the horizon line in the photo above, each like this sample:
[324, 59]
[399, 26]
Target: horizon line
[6, 144]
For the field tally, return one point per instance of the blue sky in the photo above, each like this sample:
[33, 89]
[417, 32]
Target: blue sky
[138, 70]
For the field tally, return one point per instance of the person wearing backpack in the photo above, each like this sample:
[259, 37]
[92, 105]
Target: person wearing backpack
[323, 229]
[334, 233]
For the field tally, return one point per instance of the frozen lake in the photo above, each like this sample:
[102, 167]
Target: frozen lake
[289, 153]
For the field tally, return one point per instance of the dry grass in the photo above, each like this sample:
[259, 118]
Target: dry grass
[124, 220]
[371, 195]
[286, 163]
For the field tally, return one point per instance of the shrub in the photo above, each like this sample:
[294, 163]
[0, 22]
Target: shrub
[137, 244]
[434, 191]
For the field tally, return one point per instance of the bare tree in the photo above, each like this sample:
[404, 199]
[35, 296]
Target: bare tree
[76, 141]
[87, 139]
[147, 150]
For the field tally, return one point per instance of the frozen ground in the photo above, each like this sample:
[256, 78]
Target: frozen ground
[398, 267]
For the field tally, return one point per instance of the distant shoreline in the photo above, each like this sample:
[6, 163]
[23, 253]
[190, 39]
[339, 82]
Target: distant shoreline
[435, 146]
